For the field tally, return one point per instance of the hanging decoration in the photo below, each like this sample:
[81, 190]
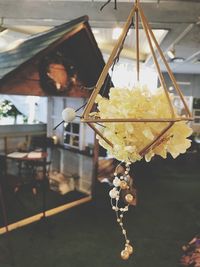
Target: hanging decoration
[135, 123]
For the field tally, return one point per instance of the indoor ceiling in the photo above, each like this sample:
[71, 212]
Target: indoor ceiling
[178, 20]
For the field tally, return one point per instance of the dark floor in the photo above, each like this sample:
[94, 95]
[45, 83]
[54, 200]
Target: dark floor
[167, 217]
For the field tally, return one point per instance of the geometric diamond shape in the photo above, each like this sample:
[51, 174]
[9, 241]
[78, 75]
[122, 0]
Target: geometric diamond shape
[91, 121]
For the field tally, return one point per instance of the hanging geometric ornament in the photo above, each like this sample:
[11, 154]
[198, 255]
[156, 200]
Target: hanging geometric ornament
[136, 123]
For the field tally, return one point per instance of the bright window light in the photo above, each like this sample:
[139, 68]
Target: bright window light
[116, 33]
[125, 75]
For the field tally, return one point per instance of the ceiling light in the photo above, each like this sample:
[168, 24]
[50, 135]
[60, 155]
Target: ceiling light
[171, 53]
[178, 59]
[183, 83]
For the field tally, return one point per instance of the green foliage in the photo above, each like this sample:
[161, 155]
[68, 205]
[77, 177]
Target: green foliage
[8, 109]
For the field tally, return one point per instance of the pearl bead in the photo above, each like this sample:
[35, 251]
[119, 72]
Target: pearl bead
[121, 215]
[121, 224]
[129, 198]
[115, 174]
[118, 220]
[123, 185]
[127, 241]
[114, 193]
[124, 254]
[116, 182]
[123, 232]
[129, 248]
[68, 114]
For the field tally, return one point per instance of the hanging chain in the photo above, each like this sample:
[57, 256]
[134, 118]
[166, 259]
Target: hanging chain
[123, 186]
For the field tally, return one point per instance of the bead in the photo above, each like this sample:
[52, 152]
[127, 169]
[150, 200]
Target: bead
[123, 185]
[121, 215]
[123, 232]
[121, 224]
[68, 114]
[124, 254]
[114, 208]
[118, 220]
[126, 172]
[129, 198]
[116, 182]
[127, 241]
[115, 174]
[121, 177]
[114, 193]
[129, 248]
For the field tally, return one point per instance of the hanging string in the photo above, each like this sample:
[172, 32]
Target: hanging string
[115, 4]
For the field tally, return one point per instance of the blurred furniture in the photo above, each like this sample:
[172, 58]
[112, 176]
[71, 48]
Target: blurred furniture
[42, 144]
[28, 166]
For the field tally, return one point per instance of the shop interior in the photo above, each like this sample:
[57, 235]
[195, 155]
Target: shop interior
[56, 174]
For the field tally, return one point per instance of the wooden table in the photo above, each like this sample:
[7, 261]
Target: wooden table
[33, 160]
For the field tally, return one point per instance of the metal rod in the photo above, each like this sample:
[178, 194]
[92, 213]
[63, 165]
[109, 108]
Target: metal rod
[100, 134]
[171, 75]
[153, 144]
[160, 75]
[104, 73]
[90, 120]
[137, 41]
[58, 125]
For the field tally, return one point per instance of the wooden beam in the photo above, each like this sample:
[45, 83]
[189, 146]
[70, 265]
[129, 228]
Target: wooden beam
[48, 213]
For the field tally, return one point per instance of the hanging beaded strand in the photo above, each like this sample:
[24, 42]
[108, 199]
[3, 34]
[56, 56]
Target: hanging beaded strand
[122, 182]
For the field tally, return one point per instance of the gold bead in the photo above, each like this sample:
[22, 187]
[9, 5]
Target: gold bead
[123, 184]
[129, 248]
[129, 198]
[125, 254]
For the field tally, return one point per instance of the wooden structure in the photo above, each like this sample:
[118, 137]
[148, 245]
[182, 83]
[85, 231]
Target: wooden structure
[25, 69]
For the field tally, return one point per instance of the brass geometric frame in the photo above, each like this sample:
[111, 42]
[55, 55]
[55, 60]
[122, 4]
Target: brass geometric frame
[137, 12]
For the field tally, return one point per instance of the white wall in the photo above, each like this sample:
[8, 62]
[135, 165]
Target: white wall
[190, 89]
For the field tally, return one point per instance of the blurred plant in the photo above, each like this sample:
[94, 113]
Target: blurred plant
[7, 109]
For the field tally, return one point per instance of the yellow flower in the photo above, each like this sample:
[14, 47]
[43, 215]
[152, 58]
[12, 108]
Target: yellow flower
[129, 139]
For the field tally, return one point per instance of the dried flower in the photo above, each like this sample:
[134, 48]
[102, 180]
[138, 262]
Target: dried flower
[130, 138]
